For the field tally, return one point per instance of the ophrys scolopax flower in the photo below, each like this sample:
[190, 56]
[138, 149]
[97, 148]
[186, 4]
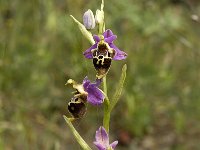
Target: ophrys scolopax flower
[103, 52]
[85, 92]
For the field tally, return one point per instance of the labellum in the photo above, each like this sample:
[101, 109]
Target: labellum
[77, 108]
[102, 58]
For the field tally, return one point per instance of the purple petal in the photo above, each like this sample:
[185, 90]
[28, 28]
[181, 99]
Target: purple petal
[88, 53]
[102, 137]
[95, 96]
[98, 82]
[86, 82]
[96, 38]
[119, 55]
[114, 144]
[107, 33]
[99, 146]
[110, 39]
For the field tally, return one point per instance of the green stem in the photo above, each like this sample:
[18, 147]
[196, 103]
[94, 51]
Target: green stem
[106, 119]
[104, 85]
[101, 27]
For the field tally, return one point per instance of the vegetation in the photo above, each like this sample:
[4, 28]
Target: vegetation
[39, 46]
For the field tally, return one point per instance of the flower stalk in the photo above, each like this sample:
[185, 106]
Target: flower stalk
[99, 17]
[106, 118]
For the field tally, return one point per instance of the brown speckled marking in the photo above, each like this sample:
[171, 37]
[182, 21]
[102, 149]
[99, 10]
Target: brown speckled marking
[102, 58]
[77, 108]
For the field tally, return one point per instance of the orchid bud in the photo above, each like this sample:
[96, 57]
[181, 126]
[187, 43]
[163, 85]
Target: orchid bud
[88, 20]
[99, 17]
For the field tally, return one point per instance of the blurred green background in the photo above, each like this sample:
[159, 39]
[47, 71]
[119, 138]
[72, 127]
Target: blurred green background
[41, 47]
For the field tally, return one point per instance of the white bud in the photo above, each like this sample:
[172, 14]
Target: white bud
[99, 17]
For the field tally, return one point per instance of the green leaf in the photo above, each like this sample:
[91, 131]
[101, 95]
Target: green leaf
[79, 139]
[84, 31]
[119, 89]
